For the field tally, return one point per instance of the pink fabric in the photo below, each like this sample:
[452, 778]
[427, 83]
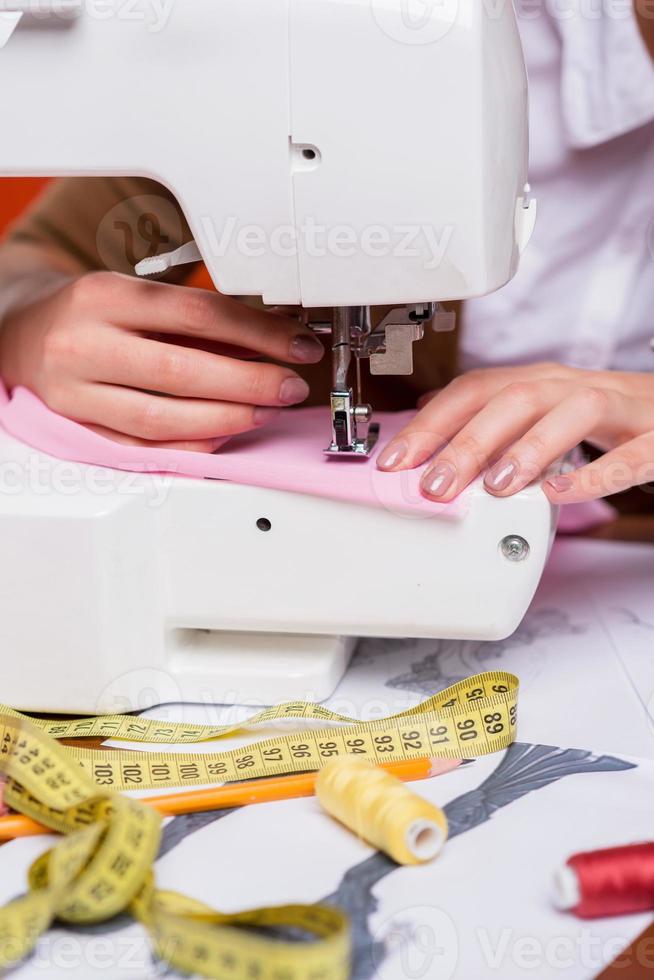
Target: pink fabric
[285, 455]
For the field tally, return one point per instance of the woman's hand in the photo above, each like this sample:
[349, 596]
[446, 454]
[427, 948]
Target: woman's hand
[513, 423]
[109, 351]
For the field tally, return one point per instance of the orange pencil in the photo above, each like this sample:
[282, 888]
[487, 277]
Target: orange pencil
[239, 794]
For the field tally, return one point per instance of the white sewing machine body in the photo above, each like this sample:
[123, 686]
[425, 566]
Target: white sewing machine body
[116, 587]
[222, 103]
[326, 153]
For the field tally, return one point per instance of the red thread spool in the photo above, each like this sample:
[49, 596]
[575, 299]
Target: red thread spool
[616, 881]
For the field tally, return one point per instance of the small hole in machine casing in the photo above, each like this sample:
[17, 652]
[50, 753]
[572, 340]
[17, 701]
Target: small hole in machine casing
[264, 524]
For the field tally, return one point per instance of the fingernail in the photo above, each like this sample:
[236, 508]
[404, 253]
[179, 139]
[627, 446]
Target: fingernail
[306, 349]
[501, 475]
[263, 415]
[438, 481]
[292, 391]
[560, 484]
[393, 454]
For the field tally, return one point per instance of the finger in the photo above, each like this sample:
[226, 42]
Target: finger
[137, 362]
[452, 407]
[435, 424]
[197, 446]
[156, 418]
[575, 418]
[507, 416]
[165, 308]
[426, 398]
[201, 343]
[631, 465]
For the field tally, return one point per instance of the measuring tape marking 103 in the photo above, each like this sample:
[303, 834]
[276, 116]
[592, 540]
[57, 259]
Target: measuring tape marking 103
[471, 718]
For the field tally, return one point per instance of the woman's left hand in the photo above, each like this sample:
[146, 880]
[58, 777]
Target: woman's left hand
[513, 423]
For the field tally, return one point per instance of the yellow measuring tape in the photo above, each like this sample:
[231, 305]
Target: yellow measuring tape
[104, 863]
[104, 866]
[471, 718]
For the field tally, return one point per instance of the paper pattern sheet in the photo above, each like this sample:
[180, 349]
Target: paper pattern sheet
[625, 606]
[581, 777]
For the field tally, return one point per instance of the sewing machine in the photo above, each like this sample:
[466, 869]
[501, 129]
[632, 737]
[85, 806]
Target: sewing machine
[379, 162]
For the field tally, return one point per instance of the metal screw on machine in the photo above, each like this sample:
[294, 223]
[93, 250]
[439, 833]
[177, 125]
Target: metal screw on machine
[514, 547]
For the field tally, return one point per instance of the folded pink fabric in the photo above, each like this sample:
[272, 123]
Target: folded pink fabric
[285, 455]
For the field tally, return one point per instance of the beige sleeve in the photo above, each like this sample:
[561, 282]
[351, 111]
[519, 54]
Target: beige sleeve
[105, 223]
[113, 223]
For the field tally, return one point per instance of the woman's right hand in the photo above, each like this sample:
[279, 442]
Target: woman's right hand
[148, 363]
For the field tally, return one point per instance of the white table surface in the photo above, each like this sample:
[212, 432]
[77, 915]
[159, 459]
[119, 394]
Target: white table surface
[585, 658]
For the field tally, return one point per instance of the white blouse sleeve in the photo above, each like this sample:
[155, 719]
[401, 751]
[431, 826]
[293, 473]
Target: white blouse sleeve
[607, 83]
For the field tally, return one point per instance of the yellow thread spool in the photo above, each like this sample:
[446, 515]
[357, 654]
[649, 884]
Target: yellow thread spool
[381, 810]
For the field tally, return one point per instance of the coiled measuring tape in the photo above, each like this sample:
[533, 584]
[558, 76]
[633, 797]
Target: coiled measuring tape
[473, 717]
[103, 865]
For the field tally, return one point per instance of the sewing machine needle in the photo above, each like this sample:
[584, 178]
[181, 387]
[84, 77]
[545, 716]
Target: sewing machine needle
[358, 369]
